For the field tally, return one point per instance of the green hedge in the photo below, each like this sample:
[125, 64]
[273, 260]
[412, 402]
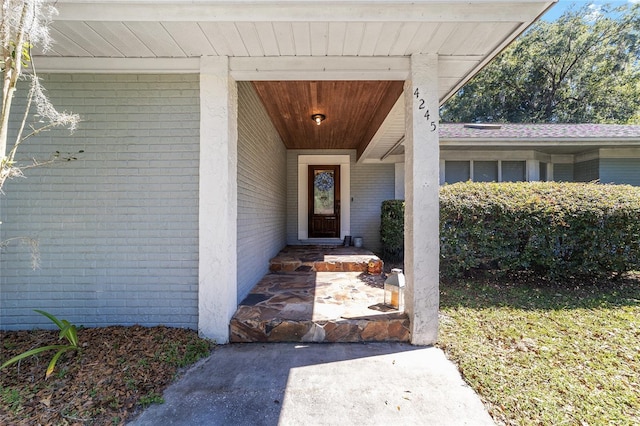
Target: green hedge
[392, 230]
[557, 230]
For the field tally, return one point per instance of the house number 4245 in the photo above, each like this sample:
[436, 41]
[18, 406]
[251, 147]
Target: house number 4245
[422, 107]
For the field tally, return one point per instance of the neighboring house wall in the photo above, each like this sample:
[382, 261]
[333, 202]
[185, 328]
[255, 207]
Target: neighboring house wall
[118, 228]
[563, 172]
[586, 171]
[613, 165]
[620, 170]
[262, 185]
[370, 185]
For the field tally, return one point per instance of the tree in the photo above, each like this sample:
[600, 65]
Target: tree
[584, 67]
[25, 23]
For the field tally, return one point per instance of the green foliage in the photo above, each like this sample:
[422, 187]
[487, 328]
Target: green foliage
[546, 355]
[11, 399]
[68, 331]
[581, 68]
[392, 229]
[558, 230]
[182, 355]
[151, 398]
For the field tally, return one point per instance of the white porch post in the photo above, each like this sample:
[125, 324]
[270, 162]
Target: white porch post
[421, 229]
[217, 286]
[533, 170]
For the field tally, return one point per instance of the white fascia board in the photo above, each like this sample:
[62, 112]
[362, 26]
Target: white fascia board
[620, 153]
[542, 142]
[53, 64]
[301, 10]
[319, 68]
[526, 23]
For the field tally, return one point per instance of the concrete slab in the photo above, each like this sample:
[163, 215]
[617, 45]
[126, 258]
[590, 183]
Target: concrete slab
[320, 384]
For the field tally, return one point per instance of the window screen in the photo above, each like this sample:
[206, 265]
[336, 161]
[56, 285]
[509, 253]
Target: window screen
[456, 171]
[513, 171]
[485, 171]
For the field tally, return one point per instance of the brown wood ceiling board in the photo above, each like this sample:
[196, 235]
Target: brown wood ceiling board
[354, 111]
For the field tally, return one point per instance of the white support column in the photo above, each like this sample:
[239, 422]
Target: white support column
[218, 212]
[533, 170]
[422, 210]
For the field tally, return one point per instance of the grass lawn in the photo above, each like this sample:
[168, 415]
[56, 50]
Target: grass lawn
[543, 354]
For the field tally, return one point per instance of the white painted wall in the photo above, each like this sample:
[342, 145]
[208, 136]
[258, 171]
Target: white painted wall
[262, 186]
[118, 228]
[399, 181]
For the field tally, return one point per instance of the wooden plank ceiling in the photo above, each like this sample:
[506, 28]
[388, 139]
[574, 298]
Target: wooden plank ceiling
[354, 111]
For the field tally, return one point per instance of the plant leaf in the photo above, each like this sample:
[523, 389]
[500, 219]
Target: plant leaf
[52, 364]
[32, 352]
[51, 317]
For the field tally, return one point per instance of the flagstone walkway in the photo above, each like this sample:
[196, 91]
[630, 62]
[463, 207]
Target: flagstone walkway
[320, 294]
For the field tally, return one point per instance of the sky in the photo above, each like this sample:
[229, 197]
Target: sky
[563, 5]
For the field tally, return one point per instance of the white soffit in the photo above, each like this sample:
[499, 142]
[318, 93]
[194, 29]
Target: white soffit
[287, 39]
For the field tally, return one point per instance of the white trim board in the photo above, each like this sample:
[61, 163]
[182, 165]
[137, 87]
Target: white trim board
[304, 161]
[242, 69]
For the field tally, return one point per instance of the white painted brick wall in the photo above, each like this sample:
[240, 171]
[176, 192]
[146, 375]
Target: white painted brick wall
[370, 185]
[262, 185]
[118, 228]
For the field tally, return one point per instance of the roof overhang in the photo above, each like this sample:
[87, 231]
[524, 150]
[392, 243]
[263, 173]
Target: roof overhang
[298, 40]
[287, 39]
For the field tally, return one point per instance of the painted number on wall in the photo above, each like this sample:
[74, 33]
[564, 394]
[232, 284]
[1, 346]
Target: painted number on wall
[422, 107]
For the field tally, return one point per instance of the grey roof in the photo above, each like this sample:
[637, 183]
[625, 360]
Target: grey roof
[509, 131]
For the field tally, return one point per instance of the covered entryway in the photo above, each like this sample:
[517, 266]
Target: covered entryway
[426, 49]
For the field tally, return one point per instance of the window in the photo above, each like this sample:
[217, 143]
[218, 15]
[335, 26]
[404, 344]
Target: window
[488, 171]
[513, 171]
[485, 171]
[456, 171]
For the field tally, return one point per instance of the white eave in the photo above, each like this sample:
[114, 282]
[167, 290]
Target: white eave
[287, 39]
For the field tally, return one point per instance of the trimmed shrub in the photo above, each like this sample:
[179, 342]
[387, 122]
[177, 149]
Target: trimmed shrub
[557, 230]
[392, 230]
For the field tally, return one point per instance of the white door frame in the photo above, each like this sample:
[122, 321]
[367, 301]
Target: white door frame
[304, 161]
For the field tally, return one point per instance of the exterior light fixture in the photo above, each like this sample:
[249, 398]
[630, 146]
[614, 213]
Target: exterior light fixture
[318, 118]
[394, 290]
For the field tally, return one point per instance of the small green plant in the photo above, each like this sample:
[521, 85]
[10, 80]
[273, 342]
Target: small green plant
[12, 399]
[151, 398]
[67, 331]
[181, 356]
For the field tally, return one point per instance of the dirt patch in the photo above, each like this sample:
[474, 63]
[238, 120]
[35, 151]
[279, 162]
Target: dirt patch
[118, 372]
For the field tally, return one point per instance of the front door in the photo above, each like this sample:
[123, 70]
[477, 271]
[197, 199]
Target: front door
[324, 201]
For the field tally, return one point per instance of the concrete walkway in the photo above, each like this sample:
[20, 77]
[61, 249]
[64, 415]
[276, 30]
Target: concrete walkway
[320, 384]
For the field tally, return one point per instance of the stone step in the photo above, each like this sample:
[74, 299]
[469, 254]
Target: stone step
[318, 307]
[325, 259]
[387, 328]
